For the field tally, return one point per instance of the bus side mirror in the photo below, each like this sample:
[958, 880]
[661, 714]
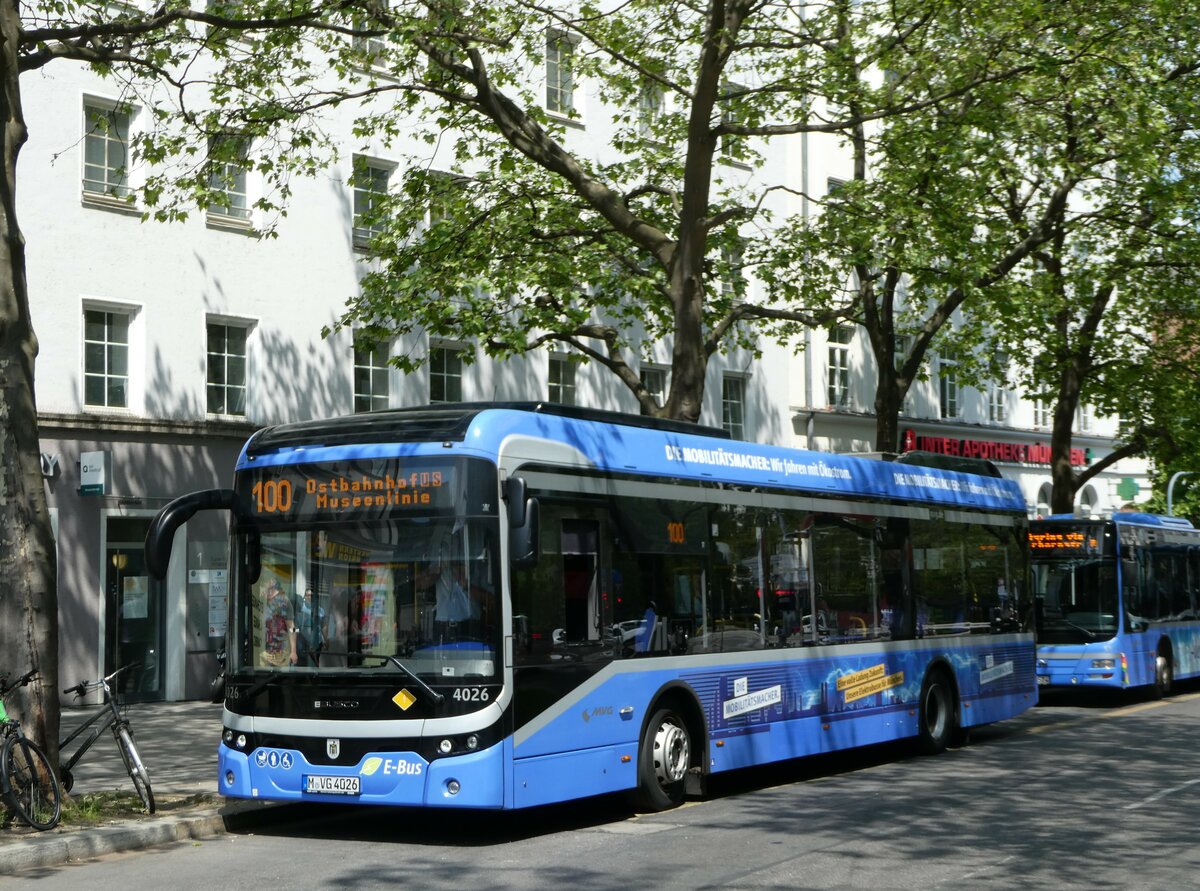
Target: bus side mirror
[161, 535]
[252, 558]
[514, 495]
[523, 540]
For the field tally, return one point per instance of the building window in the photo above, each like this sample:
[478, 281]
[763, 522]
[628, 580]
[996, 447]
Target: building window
[227, 178]
[651, 104]
[948, 390]
[655, 382]
[371, 374]
[445, 375]
[733, 282]
[1041, 413]
[838, 375]
[560, 76]
[226, 369]
[833, 185]
[105, 359]
[370, 182]
[731, 114]
[562, 380]
[106, 150]
[1084, 413]
[997, 403]
[371, 47]
[733, 406]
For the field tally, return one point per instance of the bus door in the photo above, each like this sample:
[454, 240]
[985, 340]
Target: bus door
[580, 549]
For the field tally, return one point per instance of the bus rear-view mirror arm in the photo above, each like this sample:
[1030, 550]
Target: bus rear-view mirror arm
[167, 521]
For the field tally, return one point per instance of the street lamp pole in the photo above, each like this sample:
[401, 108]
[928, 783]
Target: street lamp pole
[1171, 486]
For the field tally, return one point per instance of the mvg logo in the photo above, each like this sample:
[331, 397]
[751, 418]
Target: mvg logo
[599, 711]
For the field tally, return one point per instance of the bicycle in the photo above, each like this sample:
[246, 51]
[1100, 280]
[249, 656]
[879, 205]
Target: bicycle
[27, 784]
[108, 716]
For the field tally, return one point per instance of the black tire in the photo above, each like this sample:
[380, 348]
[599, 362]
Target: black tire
[33, 793]
[664, 759]
[936, 716]
[137, 770]
[1164, 674]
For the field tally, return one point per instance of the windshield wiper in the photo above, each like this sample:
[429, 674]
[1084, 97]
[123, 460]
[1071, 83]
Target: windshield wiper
[433, 694]
[269, 679]
[1086, 631]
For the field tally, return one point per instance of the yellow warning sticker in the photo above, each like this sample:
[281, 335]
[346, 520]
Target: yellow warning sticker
[404, 699]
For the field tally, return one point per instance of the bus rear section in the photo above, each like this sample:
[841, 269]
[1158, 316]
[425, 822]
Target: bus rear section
[1116, 601]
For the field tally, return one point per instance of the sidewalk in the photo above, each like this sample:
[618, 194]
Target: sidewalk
[178, 745]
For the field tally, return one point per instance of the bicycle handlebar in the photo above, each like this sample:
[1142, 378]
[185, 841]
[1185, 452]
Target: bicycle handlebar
[23, 681]
[83, 686]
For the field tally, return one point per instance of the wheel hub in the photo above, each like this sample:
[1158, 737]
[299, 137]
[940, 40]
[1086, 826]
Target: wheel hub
[671, 754]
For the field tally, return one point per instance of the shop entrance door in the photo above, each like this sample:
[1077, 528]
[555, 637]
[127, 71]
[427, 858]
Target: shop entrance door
[134, 613]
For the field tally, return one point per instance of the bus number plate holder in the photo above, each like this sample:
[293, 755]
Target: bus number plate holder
[326, 785]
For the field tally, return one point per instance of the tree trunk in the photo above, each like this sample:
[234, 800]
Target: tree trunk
[28, 574]
[1062, 476]
[888, 402]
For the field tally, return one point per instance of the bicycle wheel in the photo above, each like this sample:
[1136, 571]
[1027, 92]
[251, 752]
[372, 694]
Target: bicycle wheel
[133, 764]
[33, 793]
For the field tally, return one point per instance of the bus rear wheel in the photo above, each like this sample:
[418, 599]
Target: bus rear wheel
[1164, 673]
[936, 718]
[663, 761]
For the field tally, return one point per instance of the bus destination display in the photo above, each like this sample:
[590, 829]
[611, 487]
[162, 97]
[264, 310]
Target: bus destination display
[1064, 541]
[344, 490]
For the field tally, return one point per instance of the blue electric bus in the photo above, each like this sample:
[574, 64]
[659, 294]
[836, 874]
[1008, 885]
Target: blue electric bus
[1117, 601]
[517, 604]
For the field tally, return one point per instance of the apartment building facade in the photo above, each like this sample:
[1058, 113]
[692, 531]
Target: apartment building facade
[164, 346]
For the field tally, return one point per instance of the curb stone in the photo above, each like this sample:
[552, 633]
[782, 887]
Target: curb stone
[56, 849]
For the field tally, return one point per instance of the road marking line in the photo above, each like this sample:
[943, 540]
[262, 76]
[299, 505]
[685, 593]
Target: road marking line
[1158, 795]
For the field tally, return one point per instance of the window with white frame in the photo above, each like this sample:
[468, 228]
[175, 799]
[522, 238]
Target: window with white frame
[838, 371]
[371, 46]
[106, 149]
[227, 178]
[651, 104]
[105, 358]
[371, 376]
[560, 74]
[949, 393]
[445, 375]
[370, 182]
[733, 405]
[731, 114]
[562, 380]
[1041, 413]
[226, 374]
[655, 381]
[733, 281]
[997, 403]
[1084, 416]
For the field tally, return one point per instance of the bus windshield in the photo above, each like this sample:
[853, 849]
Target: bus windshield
[1078, 599]
[414, 595]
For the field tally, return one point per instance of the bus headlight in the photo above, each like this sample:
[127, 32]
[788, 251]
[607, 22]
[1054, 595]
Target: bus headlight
[1104, 663]
[445, 746]
[472, 742]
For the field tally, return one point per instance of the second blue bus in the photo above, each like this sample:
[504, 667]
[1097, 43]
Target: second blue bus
[1117, 601]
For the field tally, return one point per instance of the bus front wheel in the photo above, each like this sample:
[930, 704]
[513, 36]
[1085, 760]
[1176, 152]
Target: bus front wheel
[663, 761]
[937, 724]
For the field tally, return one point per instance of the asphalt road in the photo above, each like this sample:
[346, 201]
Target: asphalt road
[1070, 795]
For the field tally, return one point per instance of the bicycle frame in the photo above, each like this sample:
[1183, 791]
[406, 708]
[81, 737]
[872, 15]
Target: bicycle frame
[107, 714]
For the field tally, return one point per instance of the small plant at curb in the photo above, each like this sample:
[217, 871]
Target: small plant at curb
[96, 807]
